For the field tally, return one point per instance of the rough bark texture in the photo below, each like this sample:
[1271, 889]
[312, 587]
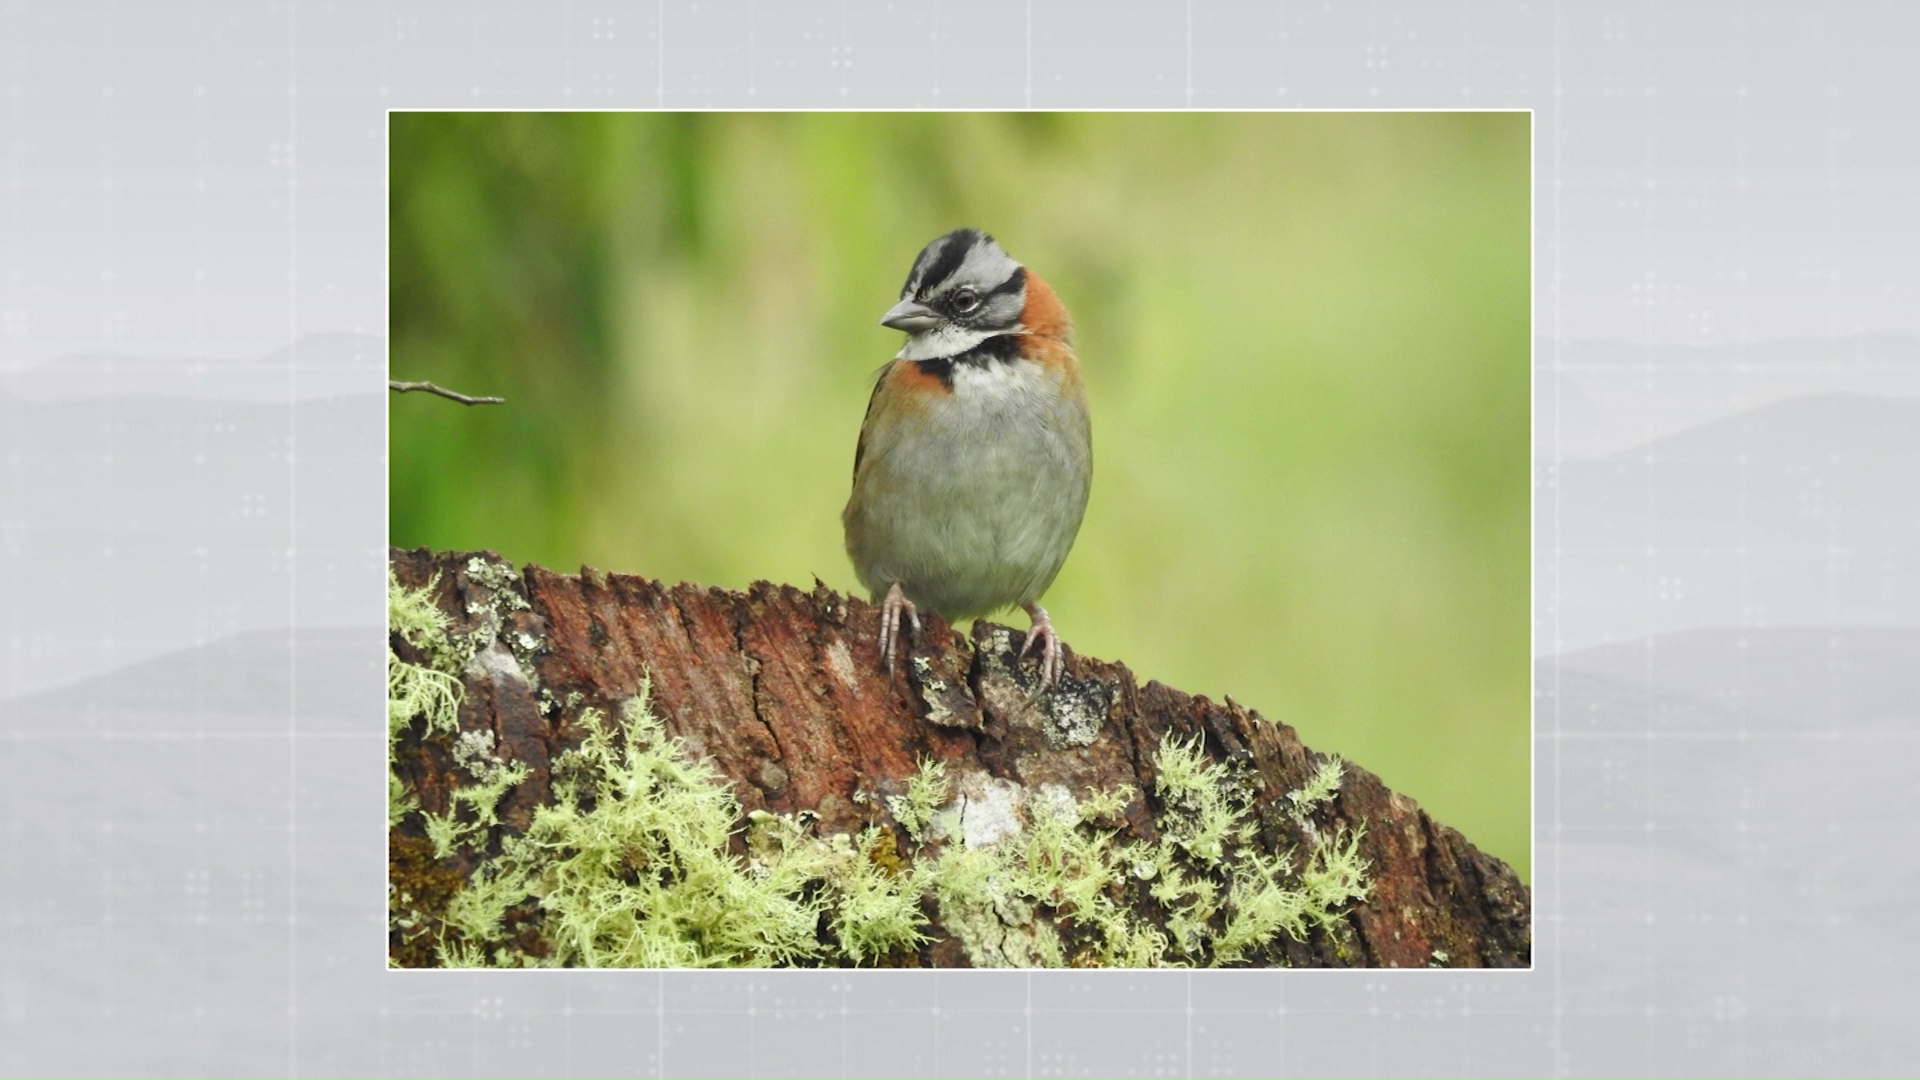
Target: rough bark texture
[783, 690]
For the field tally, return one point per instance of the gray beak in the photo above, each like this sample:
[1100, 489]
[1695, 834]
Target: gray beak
[911, 316]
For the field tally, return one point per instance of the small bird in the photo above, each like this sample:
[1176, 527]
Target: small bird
[976, 455]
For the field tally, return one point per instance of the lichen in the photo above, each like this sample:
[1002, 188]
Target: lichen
[1061, 890]
[876, 910]
[642, 857]
[1105, 807]
[1068, 714]
[412, 614]
[1074, 711]
[1319, 789]
[416, 691]
[493, 777]
[1202, 817]
[926, 792]
[498, 578]
[630, 866]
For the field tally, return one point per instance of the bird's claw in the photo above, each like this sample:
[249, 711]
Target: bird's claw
[891, 609]
[1043, 632]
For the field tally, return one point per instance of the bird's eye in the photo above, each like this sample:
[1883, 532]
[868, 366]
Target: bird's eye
[965, 300]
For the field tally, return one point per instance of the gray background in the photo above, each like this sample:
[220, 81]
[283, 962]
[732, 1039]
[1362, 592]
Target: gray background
[192, 304]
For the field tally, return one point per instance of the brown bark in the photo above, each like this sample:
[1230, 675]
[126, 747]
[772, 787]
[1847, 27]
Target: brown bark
[783, 690]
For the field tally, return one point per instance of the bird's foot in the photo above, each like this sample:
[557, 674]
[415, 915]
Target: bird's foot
[891, 632]
[1043, 632]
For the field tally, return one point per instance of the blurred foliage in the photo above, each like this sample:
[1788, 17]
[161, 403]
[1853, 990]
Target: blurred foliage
[1305, 339]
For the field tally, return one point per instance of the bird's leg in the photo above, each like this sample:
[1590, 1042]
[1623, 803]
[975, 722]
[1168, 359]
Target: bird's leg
[1042, 632]
[890, 611]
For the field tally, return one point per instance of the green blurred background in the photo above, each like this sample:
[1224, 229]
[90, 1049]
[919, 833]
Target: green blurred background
[1305, 339]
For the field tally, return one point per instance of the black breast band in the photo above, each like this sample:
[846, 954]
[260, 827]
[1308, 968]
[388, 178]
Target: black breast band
[1000, 348]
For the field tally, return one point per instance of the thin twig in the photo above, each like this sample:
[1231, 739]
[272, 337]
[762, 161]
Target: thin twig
[403, 387]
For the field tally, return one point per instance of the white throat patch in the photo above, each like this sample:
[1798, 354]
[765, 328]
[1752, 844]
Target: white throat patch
[944, 341]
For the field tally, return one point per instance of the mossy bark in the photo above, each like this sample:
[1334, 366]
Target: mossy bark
[782, 690]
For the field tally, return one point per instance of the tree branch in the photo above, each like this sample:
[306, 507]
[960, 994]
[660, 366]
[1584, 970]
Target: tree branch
[401, 387]
[782, 692]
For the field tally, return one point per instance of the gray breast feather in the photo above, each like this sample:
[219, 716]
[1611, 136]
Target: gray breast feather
[978, 510]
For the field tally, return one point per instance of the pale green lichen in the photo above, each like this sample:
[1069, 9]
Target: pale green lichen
[876, 908]
[412, 614]
[498, 578]
[630, 867]
[1319, 789]
[1106, 806]
[1056, 892]
[926, 793]
[1203, 816]
[630, 864]
[493, 778]
[432, 694]
[413, 690]
[984, 903]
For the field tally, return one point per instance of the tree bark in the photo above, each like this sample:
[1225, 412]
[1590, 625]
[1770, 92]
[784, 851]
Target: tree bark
[784, 692]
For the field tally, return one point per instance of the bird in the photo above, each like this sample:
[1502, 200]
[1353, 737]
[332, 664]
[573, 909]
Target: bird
[975, 458]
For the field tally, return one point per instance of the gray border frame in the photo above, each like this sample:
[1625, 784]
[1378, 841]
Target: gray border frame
[1726, 398]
